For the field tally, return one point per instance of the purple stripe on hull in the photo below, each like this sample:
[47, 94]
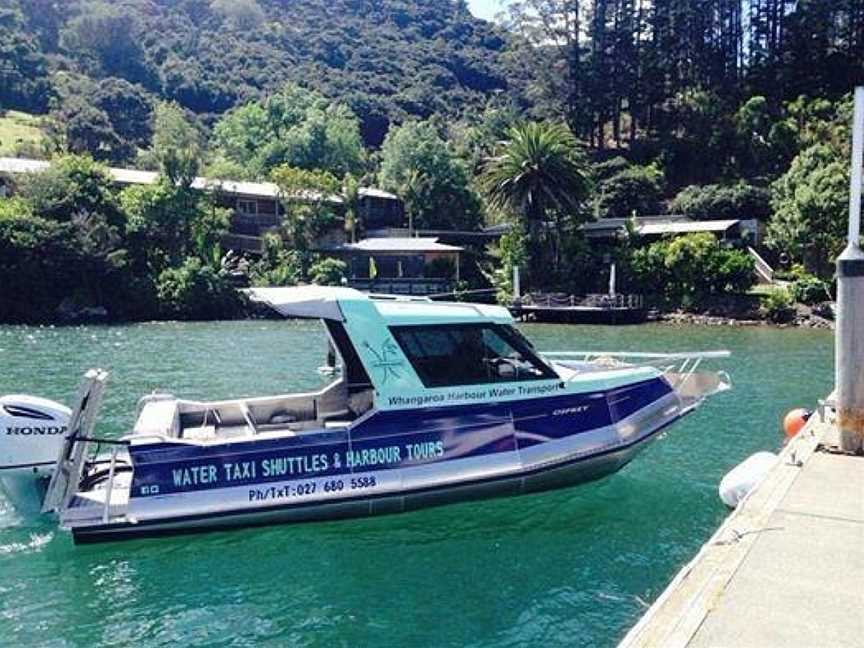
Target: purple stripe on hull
[386, 440]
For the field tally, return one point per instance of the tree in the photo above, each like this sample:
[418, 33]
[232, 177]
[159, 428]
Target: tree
[129, 109]
[108, 38]
[418, 165]
[634, 189]
[24, 83]
[108, 120]
[811, 203]
[328, 272]
[308, 200]
[73, 185]
[351, 201]
[195, 290]
[240, 14]
[277, 265]
[167, 222]
[177, 144]
[713, 201]
[294, 127]
[540, 176]
[509, 252]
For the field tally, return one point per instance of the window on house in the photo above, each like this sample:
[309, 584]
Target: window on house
[469, 354]
[247, 207]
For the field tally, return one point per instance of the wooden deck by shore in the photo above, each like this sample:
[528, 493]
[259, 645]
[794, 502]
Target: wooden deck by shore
[785, 569]
[590, 309]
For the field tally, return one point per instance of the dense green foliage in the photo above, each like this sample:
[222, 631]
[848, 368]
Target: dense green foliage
[629, 190]
[778, 305]
[418, 165]
[294, 127]
[691, 268]
[69, 242]
[386, 60]
[811, 198]
[717, 202]
[24, 82]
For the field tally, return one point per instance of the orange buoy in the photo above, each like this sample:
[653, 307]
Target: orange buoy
[795, 421]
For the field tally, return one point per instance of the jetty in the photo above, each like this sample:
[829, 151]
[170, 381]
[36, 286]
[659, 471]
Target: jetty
[786, 568]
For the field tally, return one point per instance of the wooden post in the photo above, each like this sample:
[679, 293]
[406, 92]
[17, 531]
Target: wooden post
[849, 336]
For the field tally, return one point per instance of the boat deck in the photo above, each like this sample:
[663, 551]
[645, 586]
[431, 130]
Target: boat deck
[785, 569]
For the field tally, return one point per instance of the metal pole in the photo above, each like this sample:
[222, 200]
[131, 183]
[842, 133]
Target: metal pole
[849, 336]
[516, 286]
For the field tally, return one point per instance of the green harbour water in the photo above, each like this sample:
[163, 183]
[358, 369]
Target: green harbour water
[575, 567]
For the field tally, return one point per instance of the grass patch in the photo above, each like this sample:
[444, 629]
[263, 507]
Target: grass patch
[18, 128]
[761, 290]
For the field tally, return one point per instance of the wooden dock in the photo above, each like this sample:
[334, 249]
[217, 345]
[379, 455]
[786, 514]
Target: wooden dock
[590, 309]
[785, 569]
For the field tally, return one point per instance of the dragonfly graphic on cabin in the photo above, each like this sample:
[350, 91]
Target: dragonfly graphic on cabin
[385, 360]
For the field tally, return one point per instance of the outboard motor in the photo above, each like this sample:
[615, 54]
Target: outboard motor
[31, 434]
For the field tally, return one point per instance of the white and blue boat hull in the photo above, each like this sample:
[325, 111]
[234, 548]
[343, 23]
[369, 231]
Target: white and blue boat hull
[389, 462]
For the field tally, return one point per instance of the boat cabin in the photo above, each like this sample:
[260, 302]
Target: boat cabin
[394, 352]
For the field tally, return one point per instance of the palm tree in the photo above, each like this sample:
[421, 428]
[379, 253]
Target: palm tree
[540, 176]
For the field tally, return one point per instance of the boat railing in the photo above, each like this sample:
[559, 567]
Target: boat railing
[682, 364]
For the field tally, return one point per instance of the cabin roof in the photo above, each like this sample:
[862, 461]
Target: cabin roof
[263, 190]
[398, 244]
[335, 303]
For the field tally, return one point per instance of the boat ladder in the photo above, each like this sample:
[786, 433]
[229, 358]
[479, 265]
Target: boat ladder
[70, 464]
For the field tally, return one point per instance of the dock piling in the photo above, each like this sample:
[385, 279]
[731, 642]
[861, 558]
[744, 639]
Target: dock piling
[849, 338]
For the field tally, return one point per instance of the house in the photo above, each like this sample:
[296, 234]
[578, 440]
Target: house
[255, 205]
[651, 228]
[401, 266]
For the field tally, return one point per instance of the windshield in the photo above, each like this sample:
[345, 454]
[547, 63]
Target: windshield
[469, 354]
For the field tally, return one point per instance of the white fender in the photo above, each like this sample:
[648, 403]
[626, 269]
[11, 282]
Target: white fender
[739, 481]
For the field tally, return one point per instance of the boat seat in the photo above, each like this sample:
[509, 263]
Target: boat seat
[200, 433]
[158, 418]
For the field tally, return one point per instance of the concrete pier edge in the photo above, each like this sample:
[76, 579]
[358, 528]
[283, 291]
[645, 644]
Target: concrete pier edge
[702, 587]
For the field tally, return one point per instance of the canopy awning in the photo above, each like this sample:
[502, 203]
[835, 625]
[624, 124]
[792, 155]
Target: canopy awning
[315, 302]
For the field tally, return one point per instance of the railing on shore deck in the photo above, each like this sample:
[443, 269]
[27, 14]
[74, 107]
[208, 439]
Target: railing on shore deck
[764, 271]
[560, 300]
[403, 286]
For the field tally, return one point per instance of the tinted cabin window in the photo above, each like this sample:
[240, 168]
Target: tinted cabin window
[355, 373]
[469, 354]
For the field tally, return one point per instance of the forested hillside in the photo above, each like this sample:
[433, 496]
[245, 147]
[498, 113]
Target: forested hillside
[387, 60]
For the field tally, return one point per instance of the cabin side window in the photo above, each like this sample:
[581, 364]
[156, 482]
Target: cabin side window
[469, 354]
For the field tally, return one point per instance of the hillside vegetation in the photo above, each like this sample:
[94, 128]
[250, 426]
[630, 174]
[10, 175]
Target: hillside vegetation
[387, 60]
[570, 110]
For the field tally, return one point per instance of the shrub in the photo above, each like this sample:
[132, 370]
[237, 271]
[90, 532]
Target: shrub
[809, 290]
[778, 305]
[328, 272]
[196, 291]
[277, 266]
[722, 202]
[687, 269]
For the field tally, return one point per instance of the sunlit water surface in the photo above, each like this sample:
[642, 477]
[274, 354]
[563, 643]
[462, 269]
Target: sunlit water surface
[568, 568]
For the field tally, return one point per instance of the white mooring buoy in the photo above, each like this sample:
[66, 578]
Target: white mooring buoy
[742, 478]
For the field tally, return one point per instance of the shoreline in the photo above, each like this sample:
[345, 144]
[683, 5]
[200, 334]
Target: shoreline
[804, 320]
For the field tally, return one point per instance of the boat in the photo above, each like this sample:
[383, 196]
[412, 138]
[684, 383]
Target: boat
[434, 403]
